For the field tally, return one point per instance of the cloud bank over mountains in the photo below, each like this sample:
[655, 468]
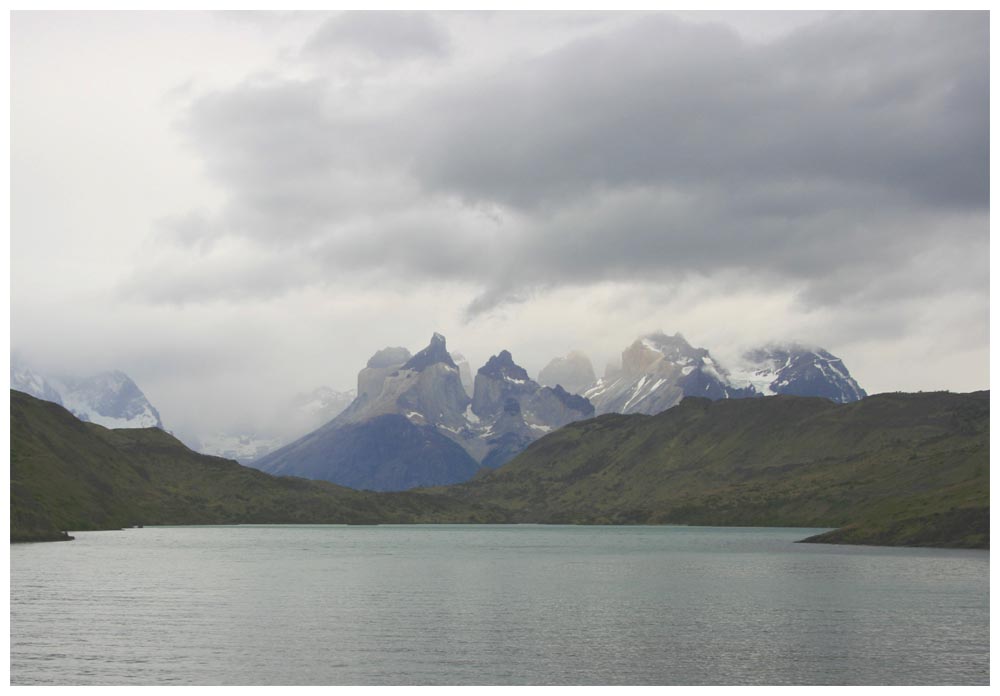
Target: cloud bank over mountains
[323, 185]
[828, 159]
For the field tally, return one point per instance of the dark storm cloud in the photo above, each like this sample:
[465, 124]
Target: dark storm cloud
[896, 102]
[653, 150]
[382, 35]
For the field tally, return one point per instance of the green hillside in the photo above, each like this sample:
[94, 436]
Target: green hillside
[69, 475]
[893, 469]
[907, 469]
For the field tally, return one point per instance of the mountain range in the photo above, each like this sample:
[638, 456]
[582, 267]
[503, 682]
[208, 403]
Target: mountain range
[423, 420]
[413, 423]
[658, 370]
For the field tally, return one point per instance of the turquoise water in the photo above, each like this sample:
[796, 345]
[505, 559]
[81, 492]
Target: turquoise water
[518, 604]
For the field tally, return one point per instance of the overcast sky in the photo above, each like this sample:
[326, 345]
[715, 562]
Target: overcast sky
[233, 208]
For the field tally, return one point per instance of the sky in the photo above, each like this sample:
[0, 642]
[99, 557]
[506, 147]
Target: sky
[237, 207]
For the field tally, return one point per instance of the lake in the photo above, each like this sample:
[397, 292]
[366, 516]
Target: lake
[493, 604]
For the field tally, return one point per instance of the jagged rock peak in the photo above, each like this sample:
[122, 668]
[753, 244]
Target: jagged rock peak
[574, 402]
[435, 352]
[502, 365]
[389, 357]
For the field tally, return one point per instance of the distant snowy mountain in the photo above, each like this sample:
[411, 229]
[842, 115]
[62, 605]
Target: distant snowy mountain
[797, 370]
[110, 399]
[657, 372]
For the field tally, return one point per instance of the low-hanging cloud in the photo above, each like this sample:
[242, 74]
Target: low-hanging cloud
[653, 149]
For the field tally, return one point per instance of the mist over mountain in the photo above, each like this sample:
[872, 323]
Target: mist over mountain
[24, 379]
[573, 372]
[301, 414]
[321, 404]
[464, 372]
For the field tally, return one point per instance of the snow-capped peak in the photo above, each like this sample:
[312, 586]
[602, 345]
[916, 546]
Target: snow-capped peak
[799, 370]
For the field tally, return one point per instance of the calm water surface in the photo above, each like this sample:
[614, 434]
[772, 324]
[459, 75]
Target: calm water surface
[492, 605]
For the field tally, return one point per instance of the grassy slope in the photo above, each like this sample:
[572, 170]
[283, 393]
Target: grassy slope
[70, 475]
[907, 469]
[893, 469]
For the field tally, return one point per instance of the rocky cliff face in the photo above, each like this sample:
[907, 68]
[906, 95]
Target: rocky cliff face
[513, 410]
[499, 379]
[574, 373]
[424, 388]
[380, 366]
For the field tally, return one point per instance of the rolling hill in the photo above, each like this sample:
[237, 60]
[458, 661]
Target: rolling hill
[891, 469]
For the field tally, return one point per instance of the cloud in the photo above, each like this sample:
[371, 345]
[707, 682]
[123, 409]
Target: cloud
[385, 36]
[663, 102]
[832, 160]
